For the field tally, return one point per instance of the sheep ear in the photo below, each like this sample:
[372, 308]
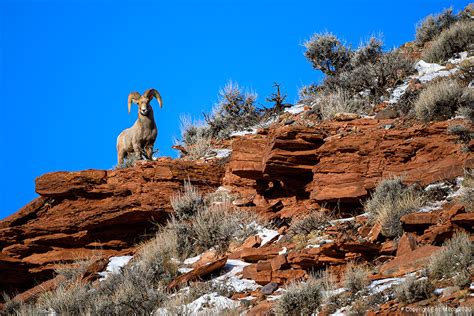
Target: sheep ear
[132, 97]
[150, 93]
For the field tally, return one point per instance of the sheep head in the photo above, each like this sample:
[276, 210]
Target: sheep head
[143, 101]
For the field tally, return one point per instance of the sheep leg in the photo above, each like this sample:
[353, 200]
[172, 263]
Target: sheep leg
[149, 152]
[137, 151]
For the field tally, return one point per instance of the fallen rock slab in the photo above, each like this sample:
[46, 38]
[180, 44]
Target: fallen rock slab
[409, 262]
[198, 272]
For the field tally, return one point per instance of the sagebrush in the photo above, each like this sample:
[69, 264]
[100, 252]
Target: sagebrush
[390, 201]
[441, 99]
[300, 298]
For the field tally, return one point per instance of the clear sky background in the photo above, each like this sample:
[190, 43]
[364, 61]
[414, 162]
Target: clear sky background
[67, 67]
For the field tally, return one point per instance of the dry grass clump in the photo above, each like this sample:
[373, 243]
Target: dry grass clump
[455, 39]
[67, 299]
[440, 100]
[302, 298]
[455, 260]
[137, 290]
[339, 101]
[391, 200]
[187, 202]
[203, 223]
[356, 278]
[212, 227]
[467, 194]
[413, 289]
[314, 221]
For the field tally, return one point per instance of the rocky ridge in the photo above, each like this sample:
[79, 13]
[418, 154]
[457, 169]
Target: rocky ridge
[281, 173]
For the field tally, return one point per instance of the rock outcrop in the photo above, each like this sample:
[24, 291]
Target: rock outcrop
[293, 168]
[92, 212]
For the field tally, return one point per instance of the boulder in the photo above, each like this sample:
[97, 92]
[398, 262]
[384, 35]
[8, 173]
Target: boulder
[406, 244]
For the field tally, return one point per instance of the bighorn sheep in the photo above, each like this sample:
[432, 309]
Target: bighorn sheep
[140, 138]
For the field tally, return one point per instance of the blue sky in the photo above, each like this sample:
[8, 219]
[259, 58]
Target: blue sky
[67, 67]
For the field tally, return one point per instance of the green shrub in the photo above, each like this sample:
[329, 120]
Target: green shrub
[440, 100]
[374, 76]
[326, 53]
[355, 79]
[455, 260]
[433, 25]
[303, 298]
[196, 138]
[390, 201]
[187, 203]
[455, 39]
[467, 112]
[235, 110]
[329, 104]
[412, 290]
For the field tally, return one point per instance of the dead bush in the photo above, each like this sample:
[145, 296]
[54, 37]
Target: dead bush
[390, 201]
[440, 100]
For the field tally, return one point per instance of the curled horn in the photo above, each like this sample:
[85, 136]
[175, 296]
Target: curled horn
[132, 97]
[150, 93]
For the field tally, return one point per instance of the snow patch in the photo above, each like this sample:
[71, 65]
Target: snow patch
[192, 260]
[342, 220]
[244, 132]
[212, 302]
[208, 304]
[431, 206]
[266, 235]
[424, 68]
[398, 92]
[443, 73]
[221, 153]
[295, 109]
[284, 251]
[185, 270]
[114, 266]
[232, 269]
[458, 60]
[378, 286]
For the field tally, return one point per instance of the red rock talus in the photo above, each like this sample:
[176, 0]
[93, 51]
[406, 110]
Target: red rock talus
[91, 212]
